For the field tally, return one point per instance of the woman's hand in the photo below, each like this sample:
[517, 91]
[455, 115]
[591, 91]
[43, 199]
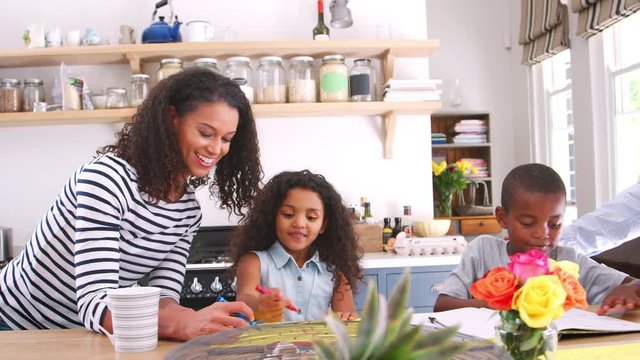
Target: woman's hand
[346, 315]
[271, 306]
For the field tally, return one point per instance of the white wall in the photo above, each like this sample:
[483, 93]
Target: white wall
[35, 162]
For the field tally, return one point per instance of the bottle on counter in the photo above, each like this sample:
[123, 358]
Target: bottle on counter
[368, 217]
[407, 220]
[321, 31]
[397, 227]
[387, 231]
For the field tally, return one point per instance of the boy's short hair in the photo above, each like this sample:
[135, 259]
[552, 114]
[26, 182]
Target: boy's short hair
[532, 178]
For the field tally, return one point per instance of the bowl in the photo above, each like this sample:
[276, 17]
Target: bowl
[432, 227]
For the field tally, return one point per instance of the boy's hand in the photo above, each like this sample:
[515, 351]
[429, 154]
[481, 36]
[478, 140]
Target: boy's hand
[346, 316]
[622, 297]
[271, 306]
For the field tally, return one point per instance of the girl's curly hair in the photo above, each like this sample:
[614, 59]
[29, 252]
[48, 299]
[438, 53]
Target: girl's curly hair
[149, 143]
[337, 245]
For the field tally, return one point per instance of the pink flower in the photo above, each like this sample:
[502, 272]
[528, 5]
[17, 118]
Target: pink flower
[532, 263]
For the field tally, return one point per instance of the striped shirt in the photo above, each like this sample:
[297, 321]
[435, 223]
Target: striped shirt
[101, 233]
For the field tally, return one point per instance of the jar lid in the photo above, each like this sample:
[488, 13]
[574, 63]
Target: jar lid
[270, 58]
[139, 77]
[365, 60]
[302, 58]
[239, 58]
[170, 61]
[116, 90]
[205, 61]
[333, 58]
[33, 82]
[11, 81]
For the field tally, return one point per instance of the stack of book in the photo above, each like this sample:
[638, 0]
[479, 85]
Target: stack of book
[412, 90]
[470, 131]
[480, 165]
[438, 138]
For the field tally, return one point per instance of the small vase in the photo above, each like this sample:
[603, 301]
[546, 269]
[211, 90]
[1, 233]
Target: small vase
[524, 342]
[443, 207]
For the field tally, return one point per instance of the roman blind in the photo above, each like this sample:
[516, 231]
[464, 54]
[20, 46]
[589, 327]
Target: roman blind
[544, 29]
[597, 15]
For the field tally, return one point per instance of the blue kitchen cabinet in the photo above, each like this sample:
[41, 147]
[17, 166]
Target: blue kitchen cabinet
[426, 282]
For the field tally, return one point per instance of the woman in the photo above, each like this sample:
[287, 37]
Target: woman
[132, 211]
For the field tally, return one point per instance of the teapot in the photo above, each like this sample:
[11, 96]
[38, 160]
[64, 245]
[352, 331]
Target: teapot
[160, 31]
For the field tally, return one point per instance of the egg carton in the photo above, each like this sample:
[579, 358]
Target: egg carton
[430, 246]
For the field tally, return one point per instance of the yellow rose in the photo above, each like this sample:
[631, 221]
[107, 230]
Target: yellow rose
[565, 265]
[540, 300]
[437, 169]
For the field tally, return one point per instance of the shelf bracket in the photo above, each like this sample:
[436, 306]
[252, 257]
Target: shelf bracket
[134, 62]
[388, 63]
[389, 123]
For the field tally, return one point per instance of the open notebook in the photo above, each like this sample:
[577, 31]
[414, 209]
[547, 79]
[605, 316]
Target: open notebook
[481, 322]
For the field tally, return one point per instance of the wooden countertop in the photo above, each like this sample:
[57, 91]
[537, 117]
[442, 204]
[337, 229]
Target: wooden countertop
[79, 344]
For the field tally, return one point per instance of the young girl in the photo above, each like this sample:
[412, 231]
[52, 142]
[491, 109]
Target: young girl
[298, 242]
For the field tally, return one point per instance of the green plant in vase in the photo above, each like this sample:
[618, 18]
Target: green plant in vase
[449, 179]
[385, 332]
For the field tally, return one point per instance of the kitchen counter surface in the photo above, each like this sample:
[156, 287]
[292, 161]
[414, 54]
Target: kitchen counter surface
[392, 260]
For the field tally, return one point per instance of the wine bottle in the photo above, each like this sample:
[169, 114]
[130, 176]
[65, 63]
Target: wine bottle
[386, 231]
[321, 31]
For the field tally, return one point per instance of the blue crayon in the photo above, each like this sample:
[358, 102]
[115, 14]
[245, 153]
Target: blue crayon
[238, 314]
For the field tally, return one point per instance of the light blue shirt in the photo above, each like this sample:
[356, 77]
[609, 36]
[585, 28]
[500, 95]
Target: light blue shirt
[607, 226]
[310, 287]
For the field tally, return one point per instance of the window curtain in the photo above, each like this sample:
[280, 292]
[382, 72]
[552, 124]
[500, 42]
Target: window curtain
[544, 29]
[597, 15]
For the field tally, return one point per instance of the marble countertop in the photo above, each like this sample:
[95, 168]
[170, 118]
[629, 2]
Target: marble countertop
[389, 260]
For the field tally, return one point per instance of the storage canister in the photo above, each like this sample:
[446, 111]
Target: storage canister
[10, 95]
[246, 89]
[139, 88]
[334, 79]
[362, 81]
[33, 92]
[301, 80]
[209, 63]
[238, 68]
[168, 67]
[117, 98]
[271, 87]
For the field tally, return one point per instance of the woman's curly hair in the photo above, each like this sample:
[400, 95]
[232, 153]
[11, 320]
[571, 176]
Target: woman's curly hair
[337, 245]
[149, 143]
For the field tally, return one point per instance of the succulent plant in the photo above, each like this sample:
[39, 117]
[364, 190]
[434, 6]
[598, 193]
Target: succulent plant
[385, 332]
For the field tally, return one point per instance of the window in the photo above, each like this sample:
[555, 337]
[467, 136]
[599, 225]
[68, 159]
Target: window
[622, 60]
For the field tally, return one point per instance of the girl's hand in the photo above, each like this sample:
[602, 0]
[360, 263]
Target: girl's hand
[346, 316]
[271, 306]
[622, 297]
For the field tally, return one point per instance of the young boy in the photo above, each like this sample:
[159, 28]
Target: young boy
[533, 205]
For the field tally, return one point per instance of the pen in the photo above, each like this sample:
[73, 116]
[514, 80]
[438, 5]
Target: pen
[238, 314]
[435, 321]
[264, 291]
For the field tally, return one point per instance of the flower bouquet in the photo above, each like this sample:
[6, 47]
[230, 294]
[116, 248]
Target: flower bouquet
[529, 293]
[449, 179]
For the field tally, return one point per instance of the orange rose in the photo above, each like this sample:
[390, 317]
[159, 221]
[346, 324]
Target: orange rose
[496, 288]
[576, 295]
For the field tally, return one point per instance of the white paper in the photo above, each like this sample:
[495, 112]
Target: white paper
[481, 322]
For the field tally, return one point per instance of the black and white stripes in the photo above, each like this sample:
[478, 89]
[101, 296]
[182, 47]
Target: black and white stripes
[100, 233]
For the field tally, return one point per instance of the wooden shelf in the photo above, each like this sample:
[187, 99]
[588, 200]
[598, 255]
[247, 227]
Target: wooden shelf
[455, 146]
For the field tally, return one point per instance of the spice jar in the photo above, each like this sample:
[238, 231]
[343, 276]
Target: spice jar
[169, 67]
[10, 95]
[139, 88]
[362, 81]
[117, 98]
[209, 63]
[33, 92]
[334, 79]
[271, 87]
[239, 67]
[246, 89]
[301, 80]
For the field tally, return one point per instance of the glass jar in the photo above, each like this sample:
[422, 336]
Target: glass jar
[334, 79]
[169, 67]
[239, 67]
[362, 81]
[117, 98]
[33, 92]
[246, 89]
[10, 95]
[139, 88]
[301, 80]
[209, 63]
[272, 86]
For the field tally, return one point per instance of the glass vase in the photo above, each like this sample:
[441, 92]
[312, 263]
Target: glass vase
[443, 207]
[524, 342]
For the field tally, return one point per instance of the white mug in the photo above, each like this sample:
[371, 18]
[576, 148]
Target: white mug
[34, 36]
[127, 34]
[73, 38]
[199, 30]
[134, 318]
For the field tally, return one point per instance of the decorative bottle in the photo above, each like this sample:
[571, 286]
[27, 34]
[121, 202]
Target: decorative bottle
[407, 221]
[386, 231]
[321, 31]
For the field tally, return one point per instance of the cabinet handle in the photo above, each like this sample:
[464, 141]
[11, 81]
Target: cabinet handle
[437, 287]
[481, 223]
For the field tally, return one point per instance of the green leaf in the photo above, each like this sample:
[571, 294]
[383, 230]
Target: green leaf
[398, 328]
[440, 352]
[324, 350]
[373, 325]
[400, 296]
[437, 337]
[401, 346]
[342, 336]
